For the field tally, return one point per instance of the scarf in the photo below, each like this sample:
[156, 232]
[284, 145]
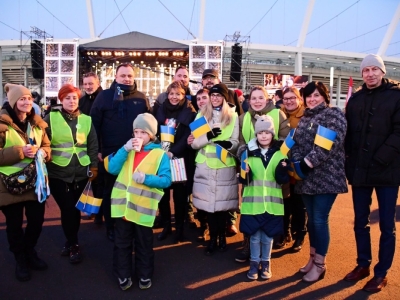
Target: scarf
[121, 91]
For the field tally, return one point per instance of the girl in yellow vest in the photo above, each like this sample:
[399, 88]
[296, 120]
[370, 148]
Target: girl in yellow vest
[142, 175]
[262, 205]
[74, 152]
[215, 188]
[16, 152]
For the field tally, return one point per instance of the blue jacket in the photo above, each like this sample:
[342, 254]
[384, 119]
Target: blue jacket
[163, 178]
[113, 119]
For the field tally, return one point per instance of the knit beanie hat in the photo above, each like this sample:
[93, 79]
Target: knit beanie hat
[264, 123]
[373, 60]
[147, 123]
[14, 92]
[238, 92]
[220, 88]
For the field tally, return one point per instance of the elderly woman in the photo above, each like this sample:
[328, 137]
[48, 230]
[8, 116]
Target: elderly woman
[295, 218]
[260, 105]
[215, 188]
[74, 147]
[16, 153]
[177, 112]
[322, 167]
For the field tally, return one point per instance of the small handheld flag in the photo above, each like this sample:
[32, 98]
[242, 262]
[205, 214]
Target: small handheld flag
[324, 137]
[167, 134]
[199, 127]
[243, 164]
[222, 153]
[30, 134]
[288, 143]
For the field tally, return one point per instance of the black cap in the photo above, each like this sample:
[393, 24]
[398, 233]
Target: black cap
[210, 72]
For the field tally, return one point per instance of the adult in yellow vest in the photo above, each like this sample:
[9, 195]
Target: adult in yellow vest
[215, 188]
[262, 205]
[260, 104]
[16, 151]
[74, 153]
[142, 175]
[295, 218]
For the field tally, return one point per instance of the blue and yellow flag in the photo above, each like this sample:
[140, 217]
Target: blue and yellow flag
[167, 134]
[199, 127]
[243, 164]
[222, 153]
[324, 137]
[30, 134]
[288, 143]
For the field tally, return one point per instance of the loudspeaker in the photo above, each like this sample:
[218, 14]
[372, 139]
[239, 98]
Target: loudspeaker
[236, 63]
[37, 60]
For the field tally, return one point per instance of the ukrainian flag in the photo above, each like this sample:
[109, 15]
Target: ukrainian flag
[243, 164]
[325, 137]
[288, 143]
[199, 127]
[167, 134]
[222, 153]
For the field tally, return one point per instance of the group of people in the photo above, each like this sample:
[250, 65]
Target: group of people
[113, 137]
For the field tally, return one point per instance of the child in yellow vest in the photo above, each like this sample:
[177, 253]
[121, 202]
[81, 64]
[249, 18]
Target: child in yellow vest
[143, 171]
[262, 204]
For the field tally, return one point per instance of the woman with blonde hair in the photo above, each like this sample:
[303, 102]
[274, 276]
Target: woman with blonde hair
[215, 188]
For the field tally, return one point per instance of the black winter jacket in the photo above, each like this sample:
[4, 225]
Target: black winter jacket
[113, 119]
[373, 136]
[86, 101]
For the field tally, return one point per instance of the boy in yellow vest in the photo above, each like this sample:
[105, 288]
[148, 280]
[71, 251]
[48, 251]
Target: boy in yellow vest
[262, 204]
[143, 171]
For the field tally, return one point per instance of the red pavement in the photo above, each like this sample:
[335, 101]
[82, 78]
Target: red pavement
[184, 272]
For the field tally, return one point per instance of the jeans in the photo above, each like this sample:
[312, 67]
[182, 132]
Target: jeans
[318, 208]
[260, 242]
[387, 198]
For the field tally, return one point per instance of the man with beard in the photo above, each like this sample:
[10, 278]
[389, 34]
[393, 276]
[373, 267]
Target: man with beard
[113, 114]
[91, 85]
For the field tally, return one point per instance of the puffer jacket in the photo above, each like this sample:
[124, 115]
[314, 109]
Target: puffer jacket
[216, 189]
[327, 176]
[373, 136]
[12, 155]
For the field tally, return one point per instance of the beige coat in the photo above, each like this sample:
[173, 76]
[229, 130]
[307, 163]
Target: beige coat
[216, 189]
[13, 155]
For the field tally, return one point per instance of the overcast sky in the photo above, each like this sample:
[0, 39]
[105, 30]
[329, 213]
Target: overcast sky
[360, 28]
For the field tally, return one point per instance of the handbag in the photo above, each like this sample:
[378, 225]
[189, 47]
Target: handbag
[21, 181]
[178, 171]
[87, 203]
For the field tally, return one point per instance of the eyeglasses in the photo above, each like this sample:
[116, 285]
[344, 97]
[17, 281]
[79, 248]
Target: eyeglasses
[289, 99]
[217, 96]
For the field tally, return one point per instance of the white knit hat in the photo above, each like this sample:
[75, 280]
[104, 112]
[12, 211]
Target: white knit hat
[147, 123]
[264, 123]
[373, 60]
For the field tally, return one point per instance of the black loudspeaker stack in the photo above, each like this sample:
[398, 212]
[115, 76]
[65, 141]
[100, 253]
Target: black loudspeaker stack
[236, 63]
[37, 60]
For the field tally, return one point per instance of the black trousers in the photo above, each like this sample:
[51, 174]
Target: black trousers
[19, 240]
[217, 223]
[180, 196]
[295, 215]
[202, 217]
[125, 233]
[109, 181]
[66, 196]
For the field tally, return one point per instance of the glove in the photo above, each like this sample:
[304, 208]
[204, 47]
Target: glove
[128, 146]
[139, 177]
[94, 171]
[224, 144]
[304, 167]
[214, 133]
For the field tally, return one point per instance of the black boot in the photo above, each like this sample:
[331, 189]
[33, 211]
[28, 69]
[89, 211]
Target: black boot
[164, 233]
[34, 262]
[179, 235]
[222, 242]
[212, 246]
[21, 269]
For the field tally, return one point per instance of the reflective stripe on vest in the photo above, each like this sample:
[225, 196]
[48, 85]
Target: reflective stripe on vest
[137, 202]
[263, 194]
[62, 141]
[248, 128]
[14, 139]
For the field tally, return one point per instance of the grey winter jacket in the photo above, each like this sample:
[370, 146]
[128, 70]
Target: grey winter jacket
[327, 174]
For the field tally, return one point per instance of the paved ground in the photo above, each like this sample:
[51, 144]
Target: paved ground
[184, 272]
